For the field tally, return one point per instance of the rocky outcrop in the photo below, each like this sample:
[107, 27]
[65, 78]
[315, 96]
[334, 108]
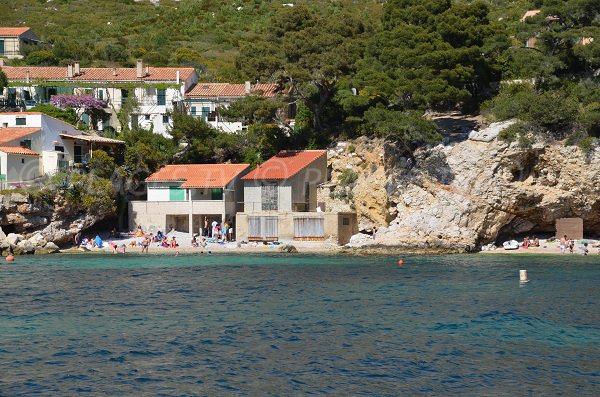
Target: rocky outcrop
[39, 223]
[465, 194]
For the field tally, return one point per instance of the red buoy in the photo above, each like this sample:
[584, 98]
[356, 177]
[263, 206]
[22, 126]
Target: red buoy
[401, 262]
[10, 258]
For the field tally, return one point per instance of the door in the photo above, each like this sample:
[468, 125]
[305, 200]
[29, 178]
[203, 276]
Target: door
[270, 197]
[77, 157]
[309, 227]
[263, 228]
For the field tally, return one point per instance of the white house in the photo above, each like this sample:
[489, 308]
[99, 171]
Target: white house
[49, 143]
[155, 92]
[183, 195]
[12, 40]
[205, 99]
[280, 201]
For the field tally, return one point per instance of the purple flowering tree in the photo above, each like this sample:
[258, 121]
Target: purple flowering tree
[82, 104]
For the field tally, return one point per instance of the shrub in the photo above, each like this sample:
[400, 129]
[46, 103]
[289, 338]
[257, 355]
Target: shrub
[347, 177]
[512, 133]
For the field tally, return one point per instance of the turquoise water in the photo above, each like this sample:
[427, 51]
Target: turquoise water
[259, 325]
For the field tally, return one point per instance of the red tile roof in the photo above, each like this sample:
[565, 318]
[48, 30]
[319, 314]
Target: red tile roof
[13, 32]
[19, 73]
[285, 164]
[12, 133]
[199, 175]
[17, 150]
[210, 90]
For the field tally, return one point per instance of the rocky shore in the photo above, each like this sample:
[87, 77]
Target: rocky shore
[464, 194]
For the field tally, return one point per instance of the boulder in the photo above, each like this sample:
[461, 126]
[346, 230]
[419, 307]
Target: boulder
[2, 235]
[51, 246]
[44, 251]
[13, 239]
[24, 248]
[37, 240]
[288, 248]
[490, 133]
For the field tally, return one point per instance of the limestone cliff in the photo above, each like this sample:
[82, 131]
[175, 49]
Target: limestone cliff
[464, 194]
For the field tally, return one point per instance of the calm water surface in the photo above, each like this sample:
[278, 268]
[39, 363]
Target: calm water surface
[260, 325]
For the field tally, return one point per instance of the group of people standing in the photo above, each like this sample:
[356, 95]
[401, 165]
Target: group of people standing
[218, 231]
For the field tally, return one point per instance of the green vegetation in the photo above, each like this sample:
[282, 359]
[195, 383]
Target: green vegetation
[351, 67]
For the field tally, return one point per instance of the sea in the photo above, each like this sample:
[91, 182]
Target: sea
[299, 325]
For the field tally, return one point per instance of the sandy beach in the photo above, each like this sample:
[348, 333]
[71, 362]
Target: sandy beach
[185, 246]
[549, 248]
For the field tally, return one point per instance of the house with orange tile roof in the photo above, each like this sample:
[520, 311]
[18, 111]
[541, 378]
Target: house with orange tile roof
[205, 99]
[33, 144]
[180, 196]
[13, 39]
[153, 92]
[280, 201]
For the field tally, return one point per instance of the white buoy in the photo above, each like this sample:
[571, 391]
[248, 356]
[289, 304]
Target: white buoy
[523, 276]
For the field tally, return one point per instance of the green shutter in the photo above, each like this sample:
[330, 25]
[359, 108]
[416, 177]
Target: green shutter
[216, 194]
[1, 46]
[176, 193]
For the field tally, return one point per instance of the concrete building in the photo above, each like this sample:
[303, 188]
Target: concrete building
[34, 144]
[13, 39]
[205, 99]
[180, 196]
[154, 92]
[280, 201]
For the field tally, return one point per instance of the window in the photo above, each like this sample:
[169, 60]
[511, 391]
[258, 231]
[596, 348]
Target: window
[165, 119]
[269, 197]
[346, 221]
[161, 97]
[21, 121]
[124, 96]
[22, 161]
[1, 47]
[100, 94]
[205, 112]
[59, 149]
[216, 194]
[147, 117]
[193, 110]
[25, 143]
[4, 125]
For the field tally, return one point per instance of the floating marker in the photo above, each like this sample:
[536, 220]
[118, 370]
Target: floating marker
[10, 258]
[401, 262]
[523, 276]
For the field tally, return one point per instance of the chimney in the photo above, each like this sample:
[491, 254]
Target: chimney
[28, 76]
[76, 69]
[70, 71]
[1, 62]
[139, 70]
[247, 87]
[177, 76]
[114, 71]
[147, 70]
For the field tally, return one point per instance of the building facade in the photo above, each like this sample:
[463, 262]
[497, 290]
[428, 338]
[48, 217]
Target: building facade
[205, 99]
[182, 197]
[152, 93]
[280, 201]
[13, 39]
[49, 144]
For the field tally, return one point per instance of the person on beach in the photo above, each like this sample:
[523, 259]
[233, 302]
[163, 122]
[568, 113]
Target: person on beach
[203, 242]
[526, 242]
[214, 228]
[145, 244]
[205, 230]
[536, 242]
[563, 244]
[585, 250]
[571, 246]
[194, 242]
[174, 242]
[230, 232]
